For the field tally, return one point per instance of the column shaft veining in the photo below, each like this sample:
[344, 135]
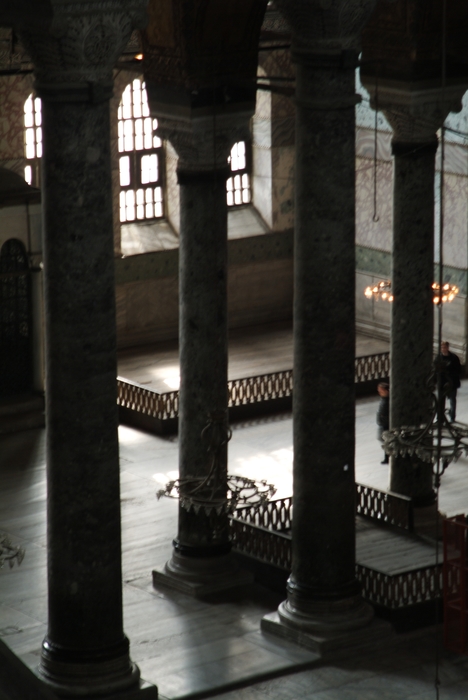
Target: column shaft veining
[203, 345]
[412, 308]
[82, 445]
[85, 651]
[323, 595]
[201, 560]
[324, 333]
[201, 87]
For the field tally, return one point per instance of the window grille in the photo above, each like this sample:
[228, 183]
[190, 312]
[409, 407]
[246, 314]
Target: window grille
[238, 185]
[142, 157]
[32, 139]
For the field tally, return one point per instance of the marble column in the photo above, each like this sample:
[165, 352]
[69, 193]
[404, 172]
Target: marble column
[323, 595]
[201, 560]
[415, 117]
[85, 651]
[412, 331]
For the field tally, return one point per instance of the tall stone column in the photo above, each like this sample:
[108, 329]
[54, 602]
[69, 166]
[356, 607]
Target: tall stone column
[415, 116]
[85, 652]
[323, 595]
[201, 561]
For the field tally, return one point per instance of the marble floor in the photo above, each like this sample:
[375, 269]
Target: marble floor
[252, 352]
[214, 647]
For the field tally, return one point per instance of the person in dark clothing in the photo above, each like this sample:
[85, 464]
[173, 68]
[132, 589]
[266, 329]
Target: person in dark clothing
[451, 376]
[383, 413]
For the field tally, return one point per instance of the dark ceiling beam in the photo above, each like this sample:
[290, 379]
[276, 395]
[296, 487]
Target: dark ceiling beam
[26, 14]
[403, 40]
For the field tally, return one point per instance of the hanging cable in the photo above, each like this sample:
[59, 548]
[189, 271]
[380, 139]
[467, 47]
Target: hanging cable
[375, 216]
[439, 466]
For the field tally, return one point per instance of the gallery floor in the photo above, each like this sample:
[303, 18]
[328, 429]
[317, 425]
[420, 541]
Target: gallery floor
[214, 648]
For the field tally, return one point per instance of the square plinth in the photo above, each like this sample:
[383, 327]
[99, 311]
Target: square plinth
[375, 634]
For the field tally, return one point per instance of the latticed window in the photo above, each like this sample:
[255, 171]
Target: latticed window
[238, 185]
[32, 139]
[142, 158]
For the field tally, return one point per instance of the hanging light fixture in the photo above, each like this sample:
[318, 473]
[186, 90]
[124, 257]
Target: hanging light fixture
[382, 291]
[438, 441]
[448, 293]
[217, 492]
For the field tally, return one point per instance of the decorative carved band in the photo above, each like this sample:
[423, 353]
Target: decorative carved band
[414, 149]
[82, 45]
[202, 142]
[326, 25]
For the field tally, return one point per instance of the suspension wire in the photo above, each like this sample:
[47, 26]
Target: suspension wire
[375, 216]
[440, 399]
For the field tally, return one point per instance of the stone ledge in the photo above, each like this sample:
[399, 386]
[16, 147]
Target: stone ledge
[199, 589]
[377, 633]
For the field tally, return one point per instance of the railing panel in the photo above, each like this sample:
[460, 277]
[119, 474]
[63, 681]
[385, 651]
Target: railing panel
[384, 506]
[265, 545]
[275, 515]
[398, 591]
[241, 392]
[456, 584]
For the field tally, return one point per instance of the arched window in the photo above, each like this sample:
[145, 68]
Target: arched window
[141, 162]
[238, 185]
[32, 139]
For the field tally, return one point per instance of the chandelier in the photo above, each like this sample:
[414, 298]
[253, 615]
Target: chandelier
[217, 492]
[380, 291]
[383, 291]
[438, 441]
[9, 552]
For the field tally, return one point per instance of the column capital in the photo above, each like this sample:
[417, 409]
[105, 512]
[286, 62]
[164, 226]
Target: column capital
[203, 143]
[415, 113]
[74, 58]
[326, 28]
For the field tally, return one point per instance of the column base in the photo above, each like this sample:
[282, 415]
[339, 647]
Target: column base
[326, 617]
[425, 521]
[201, 576]
[70, 676]
[369, 636]
[144, 691]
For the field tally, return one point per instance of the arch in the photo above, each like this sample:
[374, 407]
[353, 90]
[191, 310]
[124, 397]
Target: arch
[238, 185]
[32, 118]
[141, 157]
[15, 319]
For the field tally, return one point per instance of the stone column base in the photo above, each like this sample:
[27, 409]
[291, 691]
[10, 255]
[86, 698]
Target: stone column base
[91, 681]
[366, 637]
[145, 691]
[325, 617]
[425, 522]
[201, 576]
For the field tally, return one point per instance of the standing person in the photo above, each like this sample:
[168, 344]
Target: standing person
[383, 413]
[451, 375]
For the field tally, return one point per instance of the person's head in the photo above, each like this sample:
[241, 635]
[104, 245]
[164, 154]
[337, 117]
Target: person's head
[444, 347]
[383, 389]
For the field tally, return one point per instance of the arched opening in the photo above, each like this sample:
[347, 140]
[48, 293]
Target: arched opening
[15, 319]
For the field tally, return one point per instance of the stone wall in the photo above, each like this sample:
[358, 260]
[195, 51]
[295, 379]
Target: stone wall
[260, 284]
[374, 221]
[14, 91]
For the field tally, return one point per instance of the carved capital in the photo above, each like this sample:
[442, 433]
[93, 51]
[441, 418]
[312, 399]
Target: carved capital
[326, 26]
[82, 44]
[203, 143]
[416, 114]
